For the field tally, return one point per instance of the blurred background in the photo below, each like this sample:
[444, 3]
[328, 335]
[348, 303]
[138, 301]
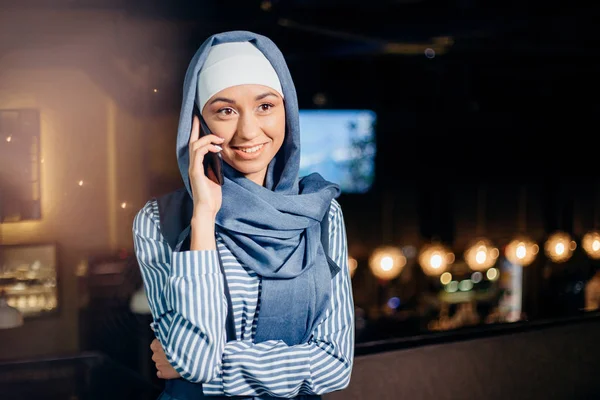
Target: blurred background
[461, 133]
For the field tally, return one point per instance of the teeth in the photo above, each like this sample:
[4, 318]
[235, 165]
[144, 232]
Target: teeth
[252, 149]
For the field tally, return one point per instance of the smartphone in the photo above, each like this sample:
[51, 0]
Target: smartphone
[212, 161]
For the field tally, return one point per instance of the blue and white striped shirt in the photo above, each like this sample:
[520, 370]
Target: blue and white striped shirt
[189, 308]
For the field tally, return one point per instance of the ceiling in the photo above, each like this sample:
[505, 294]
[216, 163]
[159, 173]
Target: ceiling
[510, 72]
[497, 55]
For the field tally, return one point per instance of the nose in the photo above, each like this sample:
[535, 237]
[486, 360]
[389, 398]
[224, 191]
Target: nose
[248, 127]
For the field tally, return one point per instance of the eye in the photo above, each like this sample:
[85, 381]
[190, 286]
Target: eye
[265, 107]
[225, 112]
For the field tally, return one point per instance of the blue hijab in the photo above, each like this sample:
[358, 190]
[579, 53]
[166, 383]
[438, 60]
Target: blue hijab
[274, 230]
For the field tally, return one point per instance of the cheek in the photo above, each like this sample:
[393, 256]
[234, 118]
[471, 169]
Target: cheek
[224, 129]
[275, 127]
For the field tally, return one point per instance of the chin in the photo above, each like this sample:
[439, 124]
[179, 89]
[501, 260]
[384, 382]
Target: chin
[250, 171]
[247, 168]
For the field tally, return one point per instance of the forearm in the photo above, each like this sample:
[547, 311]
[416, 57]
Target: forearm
[185, 294]
[279, 370]
[195, 294]
[202, 230]
[271, 368]
[195, 356]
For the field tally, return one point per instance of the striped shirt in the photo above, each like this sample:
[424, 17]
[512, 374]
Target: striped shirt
[186, 295]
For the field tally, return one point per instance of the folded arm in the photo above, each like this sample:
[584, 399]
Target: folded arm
[186, 296]
[322, 365]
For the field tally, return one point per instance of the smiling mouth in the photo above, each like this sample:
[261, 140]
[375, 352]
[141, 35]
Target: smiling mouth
[250, 150]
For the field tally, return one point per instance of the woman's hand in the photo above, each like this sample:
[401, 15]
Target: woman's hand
[206, 194]
[164, 369]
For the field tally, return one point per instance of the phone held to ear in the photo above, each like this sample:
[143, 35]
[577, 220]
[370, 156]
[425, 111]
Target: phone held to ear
[213, 163]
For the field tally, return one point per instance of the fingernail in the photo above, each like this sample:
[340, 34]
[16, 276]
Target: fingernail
[218, 147]
[221, 139]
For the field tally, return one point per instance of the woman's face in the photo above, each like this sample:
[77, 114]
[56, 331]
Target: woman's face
[251, 119]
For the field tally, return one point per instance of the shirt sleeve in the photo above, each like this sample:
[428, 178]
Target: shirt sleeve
[322, 365]
[185, 292]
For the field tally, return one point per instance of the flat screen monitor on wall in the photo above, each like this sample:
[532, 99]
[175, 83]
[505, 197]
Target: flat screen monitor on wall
[339, 145]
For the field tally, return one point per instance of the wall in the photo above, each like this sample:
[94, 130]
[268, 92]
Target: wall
[85, 136]
[557, 360]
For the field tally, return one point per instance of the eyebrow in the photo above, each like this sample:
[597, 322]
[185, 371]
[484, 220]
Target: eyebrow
[223, 99]
[262, 96]
[230, 101]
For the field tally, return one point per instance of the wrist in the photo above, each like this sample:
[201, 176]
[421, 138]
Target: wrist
[203, 215]
[203, 230]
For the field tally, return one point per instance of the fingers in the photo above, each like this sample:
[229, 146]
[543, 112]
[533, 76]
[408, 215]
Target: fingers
[157, 350]
[199, 146]
[202, 150]
[195, 135]
[167, 374]
[155, 345]
[205, 141]
[196, 168]
[164, 370]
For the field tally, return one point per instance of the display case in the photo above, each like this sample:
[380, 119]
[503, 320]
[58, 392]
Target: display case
[28, 278]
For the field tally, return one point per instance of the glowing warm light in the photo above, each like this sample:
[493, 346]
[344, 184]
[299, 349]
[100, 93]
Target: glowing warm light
[492, 274]
[80, 183]
[446, 278]
[352, 265]
[591, 244]
[82, 268]
[319, 99]
[481, 255]
[435, 259]
[387, 262]
[123, 205]
[9, 139]
[265, 5]
[155, 90]
[559, 247]
[521, 251]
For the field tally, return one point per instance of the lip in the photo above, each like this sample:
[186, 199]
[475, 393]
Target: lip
[249, 156]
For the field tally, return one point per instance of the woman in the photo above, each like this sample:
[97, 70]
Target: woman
[249, 298]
